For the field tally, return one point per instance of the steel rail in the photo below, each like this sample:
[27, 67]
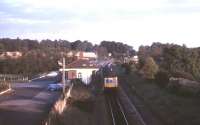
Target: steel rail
[122, 111]
[112, 114]
[116, 111]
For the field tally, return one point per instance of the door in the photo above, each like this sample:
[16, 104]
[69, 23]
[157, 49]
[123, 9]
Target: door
[72, 74]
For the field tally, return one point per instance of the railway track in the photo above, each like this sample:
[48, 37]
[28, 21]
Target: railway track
[116, 110]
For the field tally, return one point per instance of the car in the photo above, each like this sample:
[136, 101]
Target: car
[55, 87]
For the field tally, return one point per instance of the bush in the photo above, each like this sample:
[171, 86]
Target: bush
[162, 78]
[80, 91]
[184, 86]
[4, 86]
[150, 68]
[127, 67]
[77, 82]
[182, 74]
[133, 67]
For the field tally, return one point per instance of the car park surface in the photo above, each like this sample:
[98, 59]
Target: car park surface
[27, 103]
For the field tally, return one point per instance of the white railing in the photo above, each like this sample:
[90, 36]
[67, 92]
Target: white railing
[13, 78]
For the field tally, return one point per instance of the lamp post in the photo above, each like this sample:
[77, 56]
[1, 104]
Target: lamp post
[63, 76]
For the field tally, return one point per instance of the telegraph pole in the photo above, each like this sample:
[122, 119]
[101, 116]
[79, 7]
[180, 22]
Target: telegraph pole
[63, 76]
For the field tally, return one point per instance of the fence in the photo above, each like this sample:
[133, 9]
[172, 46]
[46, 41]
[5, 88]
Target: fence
[13, 78]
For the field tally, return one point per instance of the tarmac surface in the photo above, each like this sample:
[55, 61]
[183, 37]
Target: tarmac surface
[27, 103]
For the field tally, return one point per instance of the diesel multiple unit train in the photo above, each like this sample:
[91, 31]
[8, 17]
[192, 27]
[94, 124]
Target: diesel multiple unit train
[110, 78]
[110, 82]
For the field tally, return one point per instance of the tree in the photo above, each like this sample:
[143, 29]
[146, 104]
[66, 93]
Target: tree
[117, 48]
[150, 68]
[38, 57]
[102, 52]
[162, 78]
[1, 47]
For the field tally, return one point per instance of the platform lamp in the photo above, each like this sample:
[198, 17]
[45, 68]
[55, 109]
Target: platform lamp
[63, 76]
[63, 73]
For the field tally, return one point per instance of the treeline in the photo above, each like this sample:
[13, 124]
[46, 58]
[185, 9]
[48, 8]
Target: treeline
[172, 60]
[42, 56]
[24, 45]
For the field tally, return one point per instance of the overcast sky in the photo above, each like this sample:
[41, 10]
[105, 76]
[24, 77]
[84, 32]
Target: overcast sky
[133, 22]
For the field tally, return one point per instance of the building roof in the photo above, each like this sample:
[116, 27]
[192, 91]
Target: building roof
[87, 54]
[82, 64]
[13, 55]
[82, 54]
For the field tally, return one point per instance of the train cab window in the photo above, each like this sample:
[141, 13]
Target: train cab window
[107, 81]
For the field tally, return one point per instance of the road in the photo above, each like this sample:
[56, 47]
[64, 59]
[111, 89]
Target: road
[28, 103]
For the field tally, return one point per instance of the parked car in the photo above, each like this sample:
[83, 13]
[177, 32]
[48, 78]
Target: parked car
[55, 87]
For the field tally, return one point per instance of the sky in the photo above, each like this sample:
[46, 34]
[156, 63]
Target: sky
[134, 22]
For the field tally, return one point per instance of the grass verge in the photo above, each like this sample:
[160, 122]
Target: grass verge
[175, 109]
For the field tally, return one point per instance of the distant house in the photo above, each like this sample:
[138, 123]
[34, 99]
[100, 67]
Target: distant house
[12, 55]
[82, 55]
[81, 69]
[135, 59]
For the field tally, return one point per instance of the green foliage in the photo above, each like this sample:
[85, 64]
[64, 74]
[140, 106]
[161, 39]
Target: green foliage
[129, 67]
[183, 60]
[162, 78]
[1, 47]
[126, 68]
[43, 56]
[150, 68]
[155, 51]
[133, 67]
[85, 106]
[117, 49]
[102, 53]
[33, 62]
[173, 58]
[181, 74]
[177, 90]
[82, 46]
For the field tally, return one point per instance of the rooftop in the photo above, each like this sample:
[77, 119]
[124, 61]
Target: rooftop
[82, 64]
